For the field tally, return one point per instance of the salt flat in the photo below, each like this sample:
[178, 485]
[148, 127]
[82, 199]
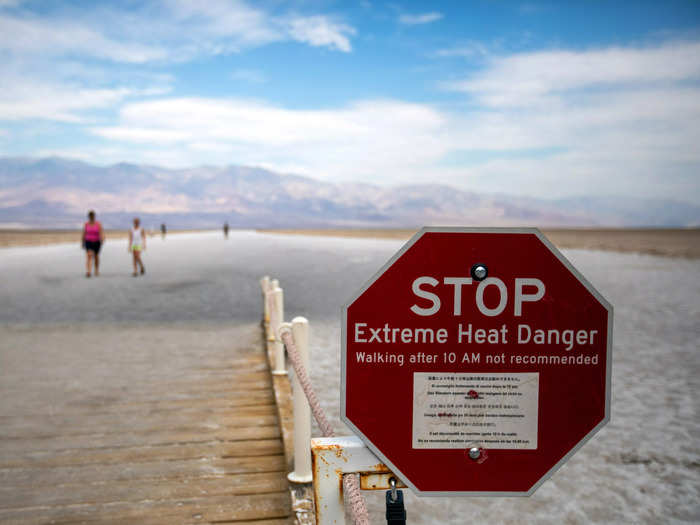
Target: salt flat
[644, 467]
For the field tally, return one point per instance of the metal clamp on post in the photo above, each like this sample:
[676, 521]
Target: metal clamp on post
[395, 511]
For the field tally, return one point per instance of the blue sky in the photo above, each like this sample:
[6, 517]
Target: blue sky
[534, 98]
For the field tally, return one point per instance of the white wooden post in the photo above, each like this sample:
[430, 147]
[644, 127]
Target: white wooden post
[276, 319]
[274, 283]
[268, 324]
[265, 286]
[302, 411]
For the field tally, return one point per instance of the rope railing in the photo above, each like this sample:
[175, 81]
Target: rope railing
[305, 382]
[351, 484]
[278, 332]
[358, 508]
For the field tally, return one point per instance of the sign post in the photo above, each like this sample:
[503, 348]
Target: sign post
[476, 361]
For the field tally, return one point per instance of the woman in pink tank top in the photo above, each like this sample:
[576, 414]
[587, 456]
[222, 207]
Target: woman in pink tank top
[93, 237]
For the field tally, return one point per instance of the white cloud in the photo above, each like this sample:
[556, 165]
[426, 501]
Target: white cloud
[60, 103]
[623, 121]
[29, 96]
[319, 31]
[524, 79]
[550, 123]
[45, 74]
[424, 18]
[70, 91]
[231, 26]
[164, 31]
[363, 139]
[618, 120]
[31, 35]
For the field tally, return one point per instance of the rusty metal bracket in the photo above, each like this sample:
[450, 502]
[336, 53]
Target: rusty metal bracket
[331, 458]
[379, 480]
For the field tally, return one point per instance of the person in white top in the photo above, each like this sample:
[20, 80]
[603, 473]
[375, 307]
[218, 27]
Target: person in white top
[137, 244]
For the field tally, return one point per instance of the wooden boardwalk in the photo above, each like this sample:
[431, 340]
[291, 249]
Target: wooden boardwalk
[194, 441]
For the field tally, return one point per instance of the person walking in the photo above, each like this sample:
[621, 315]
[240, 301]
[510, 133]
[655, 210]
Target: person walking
[137, 244]
[93, 237]
[226, 230]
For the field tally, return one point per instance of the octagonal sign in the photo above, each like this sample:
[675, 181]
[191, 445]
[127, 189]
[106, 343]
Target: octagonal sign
[476, 361]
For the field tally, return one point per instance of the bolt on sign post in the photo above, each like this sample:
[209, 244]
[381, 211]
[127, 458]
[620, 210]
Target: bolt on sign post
[476, 361]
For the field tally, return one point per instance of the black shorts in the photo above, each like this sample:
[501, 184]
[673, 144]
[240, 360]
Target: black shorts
[93, 246]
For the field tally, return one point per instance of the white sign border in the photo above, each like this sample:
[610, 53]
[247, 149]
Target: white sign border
[380, 272]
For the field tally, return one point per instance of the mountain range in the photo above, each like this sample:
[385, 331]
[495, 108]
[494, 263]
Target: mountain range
[56, 193]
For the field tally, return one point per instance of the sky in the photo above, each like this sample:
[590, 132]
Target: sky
[541, 99]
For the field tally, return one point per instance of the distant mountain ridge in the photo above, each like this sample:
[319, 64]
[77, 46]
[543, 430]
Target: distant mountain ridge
[57, 192]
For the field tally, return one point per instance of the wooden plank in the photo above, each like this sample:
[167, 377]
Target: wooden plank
[203, 467]
[103, 405]
[75, 424]
[197, 445]
[153, 438]
[139, 426]
[285, 415]
[284, 521]
[136, 490]
[219, 405]
[151, 520]
[169, 390]
[203, 510]
[281, 386]
[171, 452]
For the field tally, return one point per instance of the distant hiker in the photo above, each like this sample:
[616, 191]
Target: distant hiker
[93, 237]
[226, 230]
[137, 244]
[163, 230]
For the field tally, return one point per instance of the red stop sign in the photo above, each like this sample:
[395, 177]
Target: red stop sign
[476, 361]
